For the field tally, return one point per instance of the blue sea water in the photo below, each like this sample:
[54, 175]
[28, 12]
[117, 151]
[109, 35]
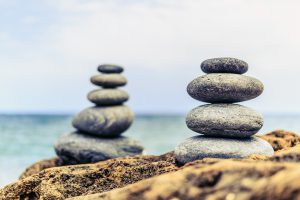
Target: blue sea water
[26, 139]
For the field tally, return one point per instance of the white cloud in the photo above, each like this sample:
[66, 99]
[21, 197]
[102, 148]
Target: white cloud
[29, 20]
[161, 43]
[156, 36]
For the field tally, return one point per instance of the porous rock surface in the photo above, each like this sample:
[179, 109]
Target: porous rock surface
[69, 181]
[216, 179]
[256, 177]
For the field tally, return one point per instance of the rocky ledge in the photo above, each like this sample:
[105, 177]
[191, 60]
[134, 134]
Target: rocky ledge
[159, 177]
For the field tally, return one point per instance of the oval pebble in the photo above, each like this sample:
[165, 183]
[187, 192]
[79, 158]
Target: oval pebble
[224, 120]
[105, 97]
[225, 88]
[199, 147]
[78, 148]
[224, 65]
[104, 121]
[109, 80]
[110, 69]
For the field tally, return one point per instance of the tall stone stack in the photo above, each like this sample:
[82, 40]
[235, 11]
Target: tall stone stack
[227, 129]
[99, 128]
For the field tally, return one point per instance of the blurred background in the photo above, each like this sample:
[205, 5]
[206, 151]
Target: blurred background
[50, 48]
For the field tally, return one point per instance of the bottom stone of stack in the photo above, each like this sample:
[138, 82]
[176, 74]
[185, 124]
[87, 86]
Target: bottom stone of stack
[199, 147]
[78, 148]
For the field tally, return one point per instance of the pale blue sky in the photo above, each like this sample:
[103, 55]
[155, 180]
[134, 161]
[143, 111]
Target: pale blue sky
[50, 48]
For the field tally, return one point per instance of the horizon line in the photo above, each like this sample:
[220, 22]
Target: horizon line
[138, 114]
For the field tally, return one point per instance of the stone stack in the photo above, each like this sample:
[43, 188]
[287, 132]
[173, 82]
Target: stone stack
[227, 129]
[98, 136]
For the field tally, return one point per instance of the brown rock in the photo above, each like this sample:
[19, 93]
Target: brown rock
[215, 179]
[281, 139]
[70, 181]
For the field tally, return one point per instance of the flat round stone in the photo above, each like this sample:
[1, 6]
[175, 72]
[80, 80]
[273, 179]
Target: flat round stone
[109, 121]
[225, 88]
[199, 147]
[109, 80]
[110, 69]
[104, 97]
[224, 65]
[77, 148]
[224, 120]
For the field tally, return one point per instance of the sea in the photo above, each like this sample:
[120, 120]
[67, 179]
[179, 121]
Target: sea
[26, 139]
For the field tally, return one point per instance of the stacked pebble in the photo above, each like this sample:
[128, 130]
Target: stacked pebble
[227, 129]
[99, 128]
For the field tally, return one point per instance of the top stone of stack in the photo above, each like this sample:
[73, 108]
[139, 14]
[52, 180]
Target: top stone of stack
[224, 65]
[110, 77]
[110, 69]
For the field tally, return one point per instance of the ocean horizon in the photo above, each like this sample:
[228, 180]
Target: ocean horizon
[28, 138]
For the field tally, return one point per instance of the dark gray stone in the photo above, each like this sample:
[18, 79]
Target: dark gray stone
[110, 69]
[104, 121]
[224, 120]
[224, 65]
[105, 97]
[109, 80]
[77, 148]
[225, 88]
[199, 147]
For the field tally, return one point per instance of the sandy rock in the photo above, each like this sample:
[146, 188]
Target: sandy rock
[216, 179]
[62, 182]
[281, 139]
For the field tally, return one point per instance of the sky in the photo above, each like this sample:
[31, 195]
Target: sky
[50, 48]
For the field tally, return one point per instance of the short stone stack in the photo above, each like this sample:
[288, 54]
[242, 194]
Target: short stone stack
[227, 129]
[99, 128]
